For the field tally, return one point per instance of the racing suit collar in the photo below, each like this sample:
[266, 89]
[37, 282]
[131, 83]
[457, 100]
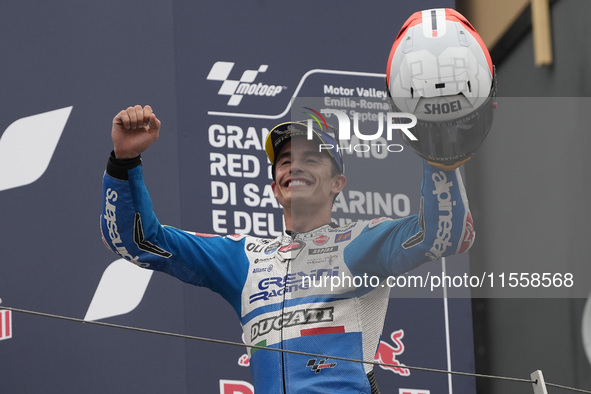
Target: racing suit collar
[293, 234]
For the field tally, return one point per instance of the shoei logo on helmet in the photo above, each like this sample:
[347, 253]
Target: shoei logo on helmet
[245, 86]
[393, 122]
[443, 108]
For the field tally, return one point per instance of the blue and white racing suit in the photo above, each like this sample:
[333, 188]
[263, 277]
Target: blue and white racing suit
[297, 292]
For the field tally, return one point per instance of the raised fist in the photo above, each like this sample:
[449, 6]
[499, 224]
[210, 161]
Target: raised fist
[134, 130]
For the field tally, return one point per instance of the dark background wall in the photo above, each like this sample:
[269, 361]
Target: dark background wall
[98, 58]
[529, 189]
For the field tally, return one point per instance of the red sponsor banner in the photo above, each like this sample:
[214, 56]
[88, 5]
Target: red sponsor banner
[322, 330]
[5, 324]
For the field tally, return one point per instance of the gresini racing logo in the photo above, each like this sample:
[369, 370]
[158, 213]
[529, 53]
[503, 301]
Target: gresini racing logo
[290, 319]
[245, 86]
[276, 286]
[444, 226]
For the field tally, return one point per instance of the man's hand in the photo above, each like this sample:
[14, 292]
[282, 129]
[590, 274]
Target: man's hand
[134, 130]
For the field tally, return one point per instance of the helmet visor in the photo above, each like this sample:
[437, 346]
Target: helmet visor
[453, 140]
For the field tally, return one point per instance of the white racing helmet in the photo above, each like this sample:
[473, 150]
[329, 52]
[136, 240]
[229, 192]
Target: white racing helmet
[440, 70]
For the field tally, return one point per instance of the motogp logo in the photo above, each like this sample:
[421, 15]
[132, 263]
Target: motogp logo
[318, 366]
[245, 86]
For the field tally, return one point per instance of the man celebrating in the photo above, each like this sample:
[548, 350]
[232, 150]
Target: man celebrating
[278, 286]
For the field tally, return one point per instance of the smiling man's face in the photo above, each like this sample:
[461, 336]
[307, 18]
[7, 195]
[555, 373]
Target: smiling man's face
[305, 177]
